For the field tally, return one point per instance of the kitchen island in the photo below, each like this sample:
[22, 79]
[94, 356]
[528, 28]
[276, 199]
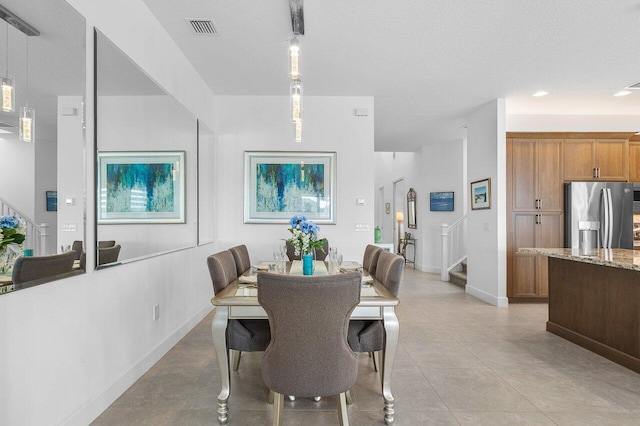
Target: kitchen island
[594, 301]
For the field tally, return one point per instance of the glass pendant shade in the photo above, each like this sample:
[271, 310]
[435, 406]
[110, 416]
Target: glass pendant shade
[294, 56]
[296, 100]
[8, 94]
[298, 133]
[27, 124]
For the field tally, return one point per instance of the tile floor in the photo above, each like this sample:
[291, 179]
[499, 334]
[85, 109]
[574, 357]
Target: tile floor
[460, 362]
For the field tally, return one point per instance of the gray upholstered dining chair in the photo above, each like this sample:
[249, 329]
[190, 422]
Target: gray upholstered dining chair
[319, 254]
[28, 269]
[370, 259]
[105, 244]
[108, 254]
[367, 335]
[242, 335]
[77, 247]
[241, 257]
[309, 354]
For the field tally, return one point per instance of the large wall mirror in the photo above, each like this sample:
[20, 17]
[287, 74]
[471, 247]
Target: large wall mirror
[43, 180]
[146, 163]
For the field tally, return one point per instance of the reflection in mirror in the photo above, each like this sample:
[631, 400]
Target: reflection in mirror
[146, 163]
[411, 209]
[205, 183]
[44, 180]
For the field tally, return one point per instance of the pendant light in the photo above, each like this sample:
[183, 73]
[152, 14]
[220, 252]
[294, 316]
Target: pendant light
[295, 86]
[294, 56]
[6, 83]
[27, 124]
[295, 92]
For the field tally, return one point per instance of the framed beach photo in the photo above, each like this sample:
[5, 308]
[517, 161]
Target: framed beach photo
[441, 201]
[141, 187]
[481, 194]
[278, 185]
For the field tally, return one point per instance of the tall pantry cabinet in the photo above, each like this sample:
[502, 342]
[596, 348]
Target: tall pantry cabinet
[535, 213]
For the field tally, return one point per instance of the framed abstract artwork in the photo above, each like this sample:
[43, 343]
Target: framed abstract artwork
[441, 201]
[481, 194]
[278, 185]
[52, 201]
[141, 187]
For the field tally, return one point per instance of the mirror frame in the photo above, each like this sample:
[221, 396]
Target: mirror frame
[411, 209]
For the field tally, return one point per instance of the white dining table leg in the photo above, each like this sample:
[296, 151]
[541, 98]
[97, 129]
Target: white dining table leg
[392, 330]
[219, 332]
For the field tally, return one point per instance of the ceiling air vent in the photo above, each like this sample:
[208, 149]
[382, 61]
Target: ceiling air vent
[634, 86]
[201, 26]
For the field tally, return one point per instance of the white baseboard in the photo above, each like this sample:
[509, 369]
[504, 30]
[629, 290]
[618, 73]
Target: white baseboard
[486, 297]
[94, 407]
[429, 269]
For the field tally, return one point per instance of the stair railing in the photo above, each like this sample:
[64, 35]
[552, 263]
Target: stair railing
[454, 246]
[35, 235]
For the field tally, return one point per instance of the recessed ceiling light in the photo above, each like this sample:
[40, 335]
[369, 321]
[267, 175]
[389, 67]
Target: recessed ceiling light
[622, 93]
[540, 93]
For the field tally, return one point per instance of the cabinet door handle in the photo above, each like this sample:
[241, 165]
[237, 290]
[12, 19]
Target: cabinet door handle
[598, 172]
[595, 173]
[540, 203]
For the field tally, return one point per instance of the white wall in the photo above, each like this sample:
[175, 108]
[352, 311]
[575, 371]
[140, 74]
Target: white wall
[71, 347]
[45, 179]
[70, 174]
[572, 123]
[486, 145]
[245, 123]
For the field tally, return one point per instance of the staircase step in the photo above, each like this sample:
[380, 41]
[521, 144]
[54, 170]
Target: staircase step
[458, 278]
[464, 266]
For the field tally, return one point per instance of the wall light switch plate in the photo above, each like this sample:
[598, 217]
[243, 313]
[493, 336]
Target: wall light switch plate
[359, 201]
[69, 227]
[156, 312]
[70, 201]
[487, 226]
[362, 227]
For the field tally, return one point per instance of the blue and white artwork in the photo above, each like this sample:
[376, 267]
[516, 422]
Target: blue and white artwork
[141, 187]
[441, 201]
[481, 194]
[281, 184]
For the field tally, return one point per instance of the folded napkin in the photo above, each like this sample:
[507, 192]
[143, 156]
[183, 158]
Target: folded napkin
[248, 279]
[367, 279]
[350, 266]
[262, 267]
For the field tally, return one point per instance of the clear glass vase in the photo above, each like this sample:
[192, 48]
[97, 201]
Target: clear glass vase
[8, 256]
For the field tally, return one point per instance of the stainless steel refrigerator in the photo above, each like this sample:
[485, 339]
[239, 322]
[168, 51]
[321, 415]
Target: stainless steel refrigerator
[599, 213]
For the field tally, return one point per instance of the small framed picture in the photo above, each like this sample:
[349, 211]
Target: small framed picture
[387, 208]
[441, 201]
[52, 201]
[481, 194]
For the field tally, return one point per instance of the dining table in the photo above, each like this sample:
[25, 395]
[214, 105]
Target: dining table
[239, 300]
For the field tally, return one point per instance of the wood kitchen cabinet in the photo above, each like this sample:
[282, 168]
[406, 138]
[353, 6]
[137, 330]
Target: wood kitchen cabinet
[527, 274]
[596, 159]
[536, 174]
[634, 161]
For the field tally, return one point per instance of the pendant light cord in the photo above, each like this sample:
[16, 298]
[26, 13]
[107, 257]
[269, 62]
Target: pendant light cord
[27, 88]
[7, 47]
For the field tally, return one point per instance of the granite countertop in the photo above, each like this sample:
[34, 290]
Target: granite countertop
[616, 258]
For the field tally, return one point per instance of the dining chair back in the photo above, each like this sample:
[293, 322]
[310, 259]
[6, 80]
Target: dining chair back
[318, 254]
[309, 355]
[242, 335]
[108, 254]
[105, 244]
[368, 335]
[370, 259]
[241, 257]
[38, 267]
[389, 271]
[77, 247]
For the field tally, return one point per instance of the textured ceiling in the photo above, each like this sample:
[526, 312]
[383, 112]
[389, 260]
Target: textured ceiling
[428, 63]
